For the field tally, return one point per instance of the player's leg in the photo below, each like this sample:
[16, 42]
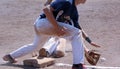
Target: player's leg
[50, 46]
[26, 49]
[77, 44]
[38, 42]
[72, 33]
[60, 50]
[54, 47]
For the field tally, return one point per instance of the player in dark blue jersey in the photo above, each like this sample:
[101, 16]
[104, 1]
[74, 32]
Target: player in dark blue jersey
[48, 27]
[57, 48]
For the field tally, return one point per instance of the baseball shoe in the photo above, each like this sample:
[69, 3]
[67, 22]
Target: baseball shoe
[78, 66]
[58, 54]
[9, 59]
[43, 53]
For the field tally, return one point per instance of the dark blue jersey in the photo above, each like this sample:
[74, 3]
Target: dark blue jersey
[61, 5]
[68, 10]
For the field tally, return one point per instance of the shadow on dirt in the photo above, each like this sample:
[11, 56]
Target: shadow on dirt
[18, 65]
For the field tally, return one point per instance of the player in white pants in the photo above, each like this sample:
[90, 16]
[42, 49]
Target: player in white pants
[49, 27]
[52, 47]
[42, 26]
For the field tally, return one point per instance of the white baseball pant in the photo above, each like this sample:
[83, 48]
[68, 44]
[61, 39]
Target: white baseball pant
[46, 30]
[51, 45]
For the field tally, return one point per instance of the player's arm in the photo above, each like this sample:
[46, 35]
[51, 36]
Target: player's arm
[85, 36]
[49, 15]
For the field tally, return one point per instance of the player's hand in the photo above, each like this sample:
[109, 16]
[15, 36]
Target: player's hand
[94, 44]
[60, 31]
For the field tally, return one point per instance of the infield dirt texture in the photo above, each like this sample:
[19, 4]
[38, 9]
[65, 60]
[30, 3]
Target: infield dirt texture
[99, 18]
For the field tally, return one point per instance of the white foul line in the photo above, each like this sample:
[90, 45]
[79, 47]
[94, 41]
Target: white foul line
[98, 67]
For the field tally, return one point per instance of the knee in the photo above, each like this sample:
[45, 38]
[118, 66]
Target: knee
[76, 35]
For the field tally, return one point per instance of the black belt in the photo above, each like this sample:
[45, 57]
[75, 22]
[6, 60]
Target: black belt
[66, 21]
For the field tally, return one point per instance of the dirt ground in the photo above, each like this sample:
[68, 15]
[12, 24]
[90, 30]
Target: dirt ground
[99, 18]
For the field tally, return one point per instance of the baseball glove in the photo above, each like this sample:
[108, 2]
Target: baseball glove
[92, 57]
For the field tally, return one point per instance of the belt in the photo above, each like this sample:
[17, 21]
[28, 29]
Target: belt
[66, 21]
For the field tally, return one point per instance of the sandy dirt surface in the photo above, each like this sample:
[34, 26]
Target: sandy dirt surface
[99, 18]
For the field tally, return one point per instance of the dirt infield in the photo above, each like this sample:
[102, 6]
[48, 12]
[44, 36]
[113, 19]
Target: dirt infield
[99, 18]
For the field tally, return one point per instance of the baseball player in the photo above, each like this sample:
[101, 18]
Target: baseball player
[48, 27]
[56, 47]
